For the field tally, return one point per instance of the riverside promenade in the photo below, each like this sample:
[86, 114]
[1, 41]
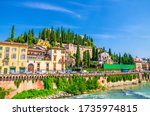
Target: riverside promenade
[10, 77]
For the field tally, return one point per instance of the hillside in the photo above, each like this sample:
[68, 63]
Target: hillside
[53, 37]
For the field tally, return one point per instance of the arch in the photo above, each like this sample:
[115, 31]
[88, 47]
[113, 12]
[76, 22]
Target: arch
[31, 67]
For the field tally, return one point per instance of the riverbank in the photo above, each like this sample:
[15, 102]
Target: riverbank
[138, 91]
[109, 87]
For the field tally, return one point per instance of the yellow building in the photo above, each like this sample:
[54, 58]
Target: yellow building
[13, 57]
[40, 59]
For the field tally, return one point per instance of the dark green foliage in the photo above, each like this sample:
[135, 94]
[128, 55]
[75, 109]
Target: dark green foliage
[125, 59]
[34, 93]
[78, 58]
[17, 82]
[2, 93]
[12, 37]
[135, 76]
[13, 32]
[76, 85]
[94, 64]
[95, 54]
[48, 83]
[32, 80]
[62, 84]
[54, 37]
[116, 78]
[86, 58]
[109, 51]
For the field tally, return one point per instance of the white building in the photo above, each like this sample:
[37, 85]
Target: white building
[105, 58]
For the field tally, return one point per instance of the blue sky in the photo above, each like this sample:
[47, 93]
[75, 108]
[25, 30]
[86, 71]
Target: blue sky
[123, 25]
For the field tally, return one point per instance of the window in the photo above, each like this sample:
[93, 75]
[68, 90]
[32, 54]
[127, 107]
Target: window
[0, 55]
[38, 66]
[5, 70]
[6, 55]
[54, 66]
[1, 48]
[54, 58]
[55, 51]
[13, 56]
[47, 67]
[6, 63]
[7, 49]
[23, 50]
[23, 57]
[13, 64]
[14, 49]
[62, 51]
[63, 59]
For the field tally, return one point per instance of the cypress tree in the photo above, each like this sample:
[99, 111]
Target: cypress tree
[93, 53]
[88, 58]
[96, 55]
[109, 51]
[85, 59]
[78, 59]
[13, 32]
[48, 35]
[58, 35]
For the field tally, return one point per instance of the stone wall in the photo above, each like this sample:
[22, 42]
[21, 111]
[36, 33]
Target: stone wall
[24, 85]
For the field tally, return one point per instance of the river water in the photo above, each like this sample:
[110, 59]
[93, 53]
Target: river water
[141, 91]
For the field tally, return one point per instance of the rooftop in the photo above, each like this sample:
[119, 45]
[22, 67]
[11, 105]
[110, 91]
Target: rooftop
[13, 43]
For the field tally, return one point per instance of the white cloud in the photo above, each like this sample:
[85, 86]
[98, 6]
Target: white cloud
[45, 6]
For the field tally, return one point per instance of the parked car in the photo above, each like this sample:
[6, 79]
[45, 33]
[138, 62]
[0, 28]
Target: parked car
[68, 71]
[53, 72]
[74, 72]
[83, 71]
[62, 72]
[14, 73]
[42, 72]
[28, 72]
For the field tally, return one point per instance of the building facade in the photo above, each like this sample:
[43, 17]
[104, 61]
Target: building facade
[105, 58]
[13, 57]
[49, 60]
[72, 49]
[141, 64]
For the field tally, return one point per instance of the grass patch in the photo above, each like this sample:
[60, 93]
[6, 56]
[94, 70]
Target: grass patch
[35, 93]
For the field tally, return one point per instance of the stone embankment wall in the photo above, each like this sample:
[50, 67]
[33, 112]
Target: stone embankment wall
[122, 83]
[103, 81]
[38, 84]
[23, 86]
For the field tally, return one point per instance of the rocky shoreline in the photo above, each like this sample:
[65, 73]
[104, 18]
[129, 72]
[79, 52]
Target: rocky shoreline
[60, 94]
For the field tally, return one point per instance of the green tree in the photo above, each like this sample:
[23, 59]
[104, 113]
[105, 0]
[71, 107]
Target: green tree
[88, 58]
[85, 59]
[48, 35]
[13, 32]
[109, 51]
[58, 35]
[43, 36]
[78, 58]
[93, 53]
[96, 55]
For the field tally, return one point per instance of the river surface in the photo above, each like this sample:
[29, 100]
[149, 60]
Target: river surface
[141, 91]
